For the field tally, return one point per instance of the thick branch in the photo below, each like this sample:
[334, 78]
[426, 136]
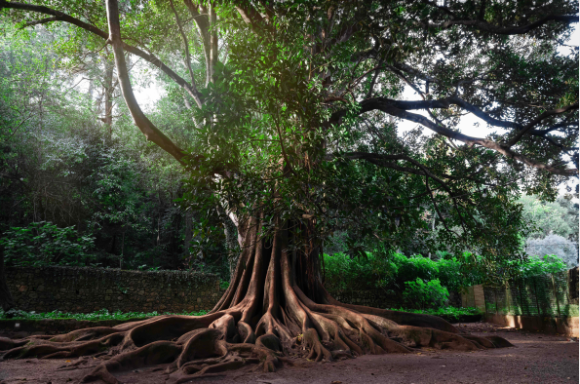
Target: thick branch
[203, 25]
[379, 159]
[537, 120]
[398, 109]
[149, 130]
[250, 16]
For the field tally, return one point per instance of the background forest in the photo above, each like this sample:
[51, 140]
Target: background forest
[80, 186]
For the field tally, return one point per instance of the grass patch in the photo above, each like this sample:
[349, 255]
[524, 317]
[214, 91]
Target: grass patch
[448, 312]
[103, 314]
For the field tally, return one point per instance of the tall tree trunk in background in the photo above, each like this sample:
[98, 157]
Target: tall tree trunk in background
[188, 232]
[6, 299]
[108, 89]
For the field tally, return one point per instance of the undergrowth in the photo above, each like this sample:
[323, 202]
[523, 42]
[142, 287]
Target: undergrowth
[448, 312]
[103, 314]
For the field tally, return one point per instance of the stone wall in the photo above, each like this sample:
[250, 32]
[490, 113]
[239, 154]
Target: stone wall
[85, 290]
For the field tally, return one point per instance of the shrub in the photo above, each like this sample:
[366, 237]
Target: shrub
[539, 266]
[43, 243]
[413, 268]
[343, 271]
[392, 272]
[419, 294]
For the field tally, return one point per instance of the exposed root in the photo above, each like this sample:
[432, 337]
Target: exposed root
[7, 344]
[198, 347]
[263, 320]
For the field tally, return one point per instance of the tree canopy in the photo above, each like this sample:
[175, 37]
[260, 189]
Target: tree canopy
[298, 106]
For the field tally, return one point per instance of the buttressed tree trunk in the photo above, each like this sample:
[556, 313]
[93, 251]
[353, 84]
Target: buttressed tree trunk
[275, 307]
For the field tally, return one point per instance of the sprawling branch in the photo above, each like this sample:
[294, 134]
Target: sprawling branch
[400, 109]
[60, 16]
[537, 120]
[381, 159]
[149, 130]
[251, 16]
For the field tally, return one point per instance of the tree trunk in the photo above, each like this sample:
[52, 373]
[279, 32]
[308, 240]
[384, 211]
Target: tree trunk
[275, 305]
[231, 244]
[6, 299]
[188, 232]
[108, 89]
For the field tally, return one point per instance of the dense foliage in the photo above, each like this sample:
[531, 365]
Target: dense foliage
[420, 294]
[394, 273]
[286, 118]
[75, 191]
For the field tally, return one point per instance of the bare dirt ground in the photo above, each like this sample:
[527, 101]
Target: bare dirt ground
[537, 358]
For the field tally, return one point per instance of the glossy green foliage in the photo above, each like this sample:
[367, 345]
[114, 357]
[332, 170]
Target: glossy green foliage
[392, 272]
[44, 243]
[421, 294]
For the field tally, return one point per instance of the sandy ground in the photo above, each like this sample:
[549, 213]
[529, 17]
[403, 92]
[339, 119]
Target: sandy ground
[537, 358]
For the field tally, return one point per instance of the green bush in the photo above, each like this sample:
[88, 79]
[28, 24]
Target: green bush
[419, 294]
[43, 243]
[392, 272]
[343, 271]
[537, 266]
[451, 313]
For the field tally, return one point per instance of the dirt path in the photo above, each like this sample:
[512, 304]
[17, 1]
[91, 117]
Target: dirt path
[538, 358]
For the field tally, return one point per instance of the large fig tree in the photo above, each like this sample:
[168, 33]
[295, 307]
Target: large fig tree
[297, 109]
